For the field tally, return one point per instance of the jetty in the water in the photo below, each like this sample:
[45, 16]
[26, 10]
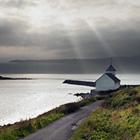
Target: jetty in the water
[81, 83]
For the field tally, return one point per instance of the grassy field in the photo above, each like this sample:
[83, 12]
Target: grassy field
[24, 128]
[119, 119]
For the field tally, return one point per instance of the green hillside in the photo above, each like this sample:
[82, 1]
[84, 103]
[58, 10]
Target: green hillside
[119, 119]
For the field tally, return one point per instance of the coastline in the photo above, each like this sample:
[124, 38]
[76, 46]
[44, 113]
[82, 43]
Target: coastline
[24, 128]
[27, 127]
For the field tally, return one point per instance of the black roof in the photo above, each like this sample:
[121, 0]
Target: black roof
[113, 77]
[110, 68]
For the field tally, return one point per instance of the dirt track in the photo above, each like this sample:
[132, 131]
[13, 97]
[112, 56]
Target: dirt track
[62, 129]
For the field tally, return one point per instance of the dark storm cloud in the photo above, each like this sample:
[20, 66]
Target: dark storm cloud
[11, 34]
[85, 42]
[60, 42]
[83, 29]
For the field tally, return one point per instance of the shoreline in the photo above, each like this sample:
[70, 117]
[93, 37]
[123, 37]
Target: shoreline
[26, 127]
[63, 128]
[77, 94]
[30, 119]
[82, 95]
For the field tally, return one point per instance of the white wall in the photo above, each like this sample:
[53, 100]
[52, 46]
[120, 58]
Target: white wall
[105, 83]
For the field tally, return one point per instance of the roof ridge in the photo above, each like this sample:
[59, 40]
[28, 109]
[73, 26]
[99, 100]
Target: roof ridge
[113, 77]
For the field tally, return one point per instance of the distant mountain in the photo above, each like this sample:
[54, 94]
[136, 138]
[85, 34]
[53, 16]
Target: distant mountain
[122, 64]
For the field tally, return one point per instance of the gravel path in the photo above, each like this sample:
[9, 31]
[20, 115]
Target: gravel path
[63, 128]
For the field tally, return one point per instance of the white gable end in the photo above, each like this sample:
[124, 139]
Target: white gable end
[105, 83]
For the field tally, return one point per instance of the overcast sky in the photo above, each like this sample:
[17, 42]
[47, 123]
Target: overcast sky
[55, 29]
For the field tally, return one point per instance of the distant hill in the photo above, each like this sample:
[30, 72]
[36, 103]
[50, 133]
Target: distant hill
[122, 64]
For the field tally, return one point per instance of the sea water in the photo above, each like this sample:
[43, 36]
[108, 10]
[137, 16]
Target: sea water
[25, 99]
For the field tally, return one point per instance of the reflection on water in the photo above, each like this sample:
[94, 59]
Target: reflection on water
[25, 99]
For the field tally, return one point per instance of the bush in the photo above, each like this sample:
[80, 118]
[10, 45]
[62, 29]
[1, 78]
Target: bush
[69, 108]
[86, 101]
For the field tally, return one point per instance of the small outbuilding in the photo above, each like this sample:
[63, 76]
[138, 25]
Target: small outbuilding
[108, 81]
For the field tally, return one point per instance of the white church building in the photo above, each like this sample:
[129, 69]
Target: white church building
[108, 81]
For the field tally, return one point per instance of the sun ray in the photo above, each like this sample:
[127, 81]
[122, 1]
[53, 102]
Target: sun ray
[74, 45]
[105, 46]
[100, 38]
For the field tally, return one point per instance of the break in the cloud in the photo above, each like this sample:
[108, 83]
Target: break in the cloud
[32, 29]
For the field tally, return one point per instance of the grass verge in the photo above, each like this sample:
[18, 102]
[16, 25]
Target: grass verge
[24, 128]
[119, 119]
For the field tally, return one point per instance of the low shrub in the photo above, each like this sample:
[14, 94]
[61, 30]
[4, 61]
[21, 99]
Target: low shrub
[87, 101]
[69, 108]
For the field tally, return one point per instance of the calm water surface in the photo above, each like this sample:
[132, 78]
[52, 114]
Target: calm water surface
[24, 99]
